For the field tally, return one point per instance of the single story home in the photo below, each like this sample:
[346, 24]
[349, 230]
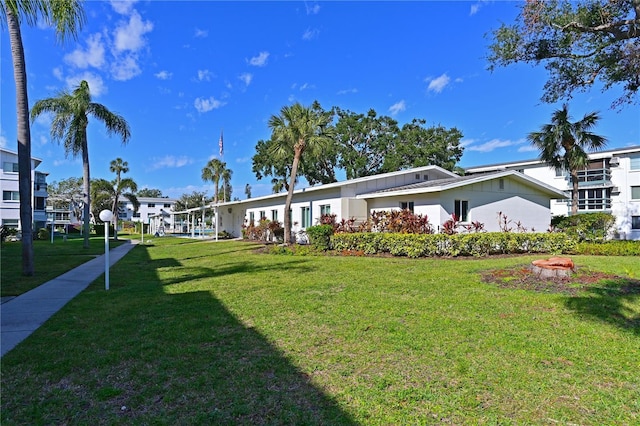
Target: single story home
[429, 190]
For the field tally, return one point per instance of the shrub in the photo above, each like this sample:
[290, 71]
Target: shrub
[319, 236]
[585, 226]
[475, 244]
[44, 234]
[609, 248]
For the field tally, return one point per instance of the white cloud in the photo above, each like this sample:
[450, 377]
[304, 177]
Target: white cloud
[125, 67]
[307, 86]
[206, 105]
[93, 56]
[129, 36]
[494, 144]
[57, 73]
[201, 33]
[96, 84]
[260, 60]
[476, 7]
[163, 75]
[467, 142]
[397, 107]
[169, 162]
[347, 91]
[205, 75]
[310, 34]
[3, 141]
[527, 148]
[438, 84]
[123, 7]
[246, 78]
[312, 9]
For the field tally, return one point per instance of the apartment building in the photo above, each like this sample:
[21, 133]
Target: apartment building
[149, 208]
[10, 204]
[610, 183]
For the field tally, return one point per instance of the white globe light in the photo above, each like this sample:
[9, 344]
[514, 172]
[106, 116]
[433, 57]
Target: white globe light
[106, 215]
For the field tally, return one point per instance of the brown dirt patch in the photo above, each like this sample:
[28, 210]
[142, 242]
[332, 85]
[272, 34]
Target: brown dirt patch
[522, 277]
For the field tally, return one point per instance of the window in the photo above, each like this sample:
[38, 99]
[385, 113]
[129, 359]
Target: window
[425, 177]
[635, 162]
[252, 218]
[10, 223]
[461, 210]
[9, 167]
[407, 205]
[325, 209]
[274, 215]
[151, 205]
[305, 213]
[635, 222]
[594, 199]
[263, 215]
[418, 176]
[40, 203]
[560, 172]
[635, 192]
[136, 214]
[501, 184]
[11, 195]
[167, 205]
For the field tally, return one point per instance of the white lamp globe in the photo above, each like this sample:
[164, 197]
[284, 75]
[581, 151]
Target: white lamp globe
[106, 215]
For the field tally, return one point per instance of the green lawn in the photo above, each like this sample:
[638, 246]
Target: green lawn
[51, 260]
[196, 332]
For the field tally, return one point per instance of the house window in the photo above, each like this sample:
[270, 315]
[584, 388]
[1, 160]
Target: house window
[635, 162]
[151, 205]
[10, 223]
[501, 184]
[305, 213]
[325, 209]
[418, 176]
[635, 192]
[407, 205]
[40, 203]
[263, 215]
[635, 222]
[167, 205]
[9, 167]
[274, 215]
[252, 218]
[594, 199]
[425, 177]
[11, 195]
[136, 214]
[461, 210]
[560, 172]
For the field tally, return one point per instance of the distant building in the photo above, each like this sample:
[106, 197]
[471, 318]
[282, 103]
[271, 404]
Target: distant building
[610, 183]
[149, 208]
[10, 205]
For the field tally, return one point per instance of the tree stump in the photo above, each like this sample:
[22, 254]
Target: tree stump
[554, 267]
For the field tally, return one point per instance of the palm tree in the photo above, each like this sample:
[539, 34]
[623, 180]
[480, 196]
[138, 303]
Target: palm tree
[68, 18]
[122, 187]
[226, 184]
[299, 130]
[564, 145]
[213, 172]
[104, 192]
[71, 117]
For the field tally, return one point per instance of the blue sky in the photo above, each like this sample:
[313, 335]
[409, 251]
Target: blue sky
[183, 72]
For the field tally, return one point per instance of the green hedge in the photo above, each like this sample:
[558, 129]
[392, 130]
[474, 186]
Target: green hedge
[478, 244]
[320, 236]
[609, 248]
[586, 226]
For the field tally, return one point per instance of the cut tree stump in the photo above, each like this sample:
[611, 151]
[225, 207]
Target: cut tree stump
[554, 267]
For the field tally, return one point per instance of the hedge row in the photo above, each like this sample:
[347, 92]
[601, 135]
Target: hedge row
[609, 248]
[478, 244]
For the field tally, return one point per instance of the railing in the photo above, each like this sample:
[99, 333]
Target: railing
[590, 204]
[594, 177]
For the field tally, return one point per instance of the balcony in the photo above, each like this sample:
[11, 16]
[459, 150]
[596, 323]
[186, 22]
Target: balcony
[594, 178]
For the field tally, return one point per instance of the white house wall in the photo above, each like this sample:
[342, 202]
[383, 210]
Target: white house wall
[623, 206]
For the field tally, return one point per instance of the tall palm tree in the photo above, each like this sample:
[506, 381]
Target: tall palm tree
[226, 184]
[212, 172]
[122, 187]
[68, 18]
[565, 145]
[71, 113]
[301, 130]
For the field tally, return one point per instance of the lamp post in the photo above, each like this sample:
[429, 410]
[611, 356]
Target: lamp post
[106, 216]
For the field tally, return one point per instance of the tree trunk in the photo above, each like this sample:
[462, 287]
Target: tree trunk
[86, 187]
[287, 205]
[574, 192]
[25, 185]
[114, 210]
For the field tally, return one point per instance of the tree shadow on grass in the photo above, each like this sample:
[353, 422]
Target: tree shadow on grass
[185, 358]
[609, 302]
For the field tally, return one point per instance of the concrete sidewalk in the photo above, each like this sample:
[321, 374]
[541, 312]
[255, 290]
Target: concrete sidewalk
[22, 315]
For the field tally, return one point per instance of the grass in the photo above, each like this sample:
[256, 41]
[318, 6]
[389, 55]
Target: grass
[51, 260]
[196, 332]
